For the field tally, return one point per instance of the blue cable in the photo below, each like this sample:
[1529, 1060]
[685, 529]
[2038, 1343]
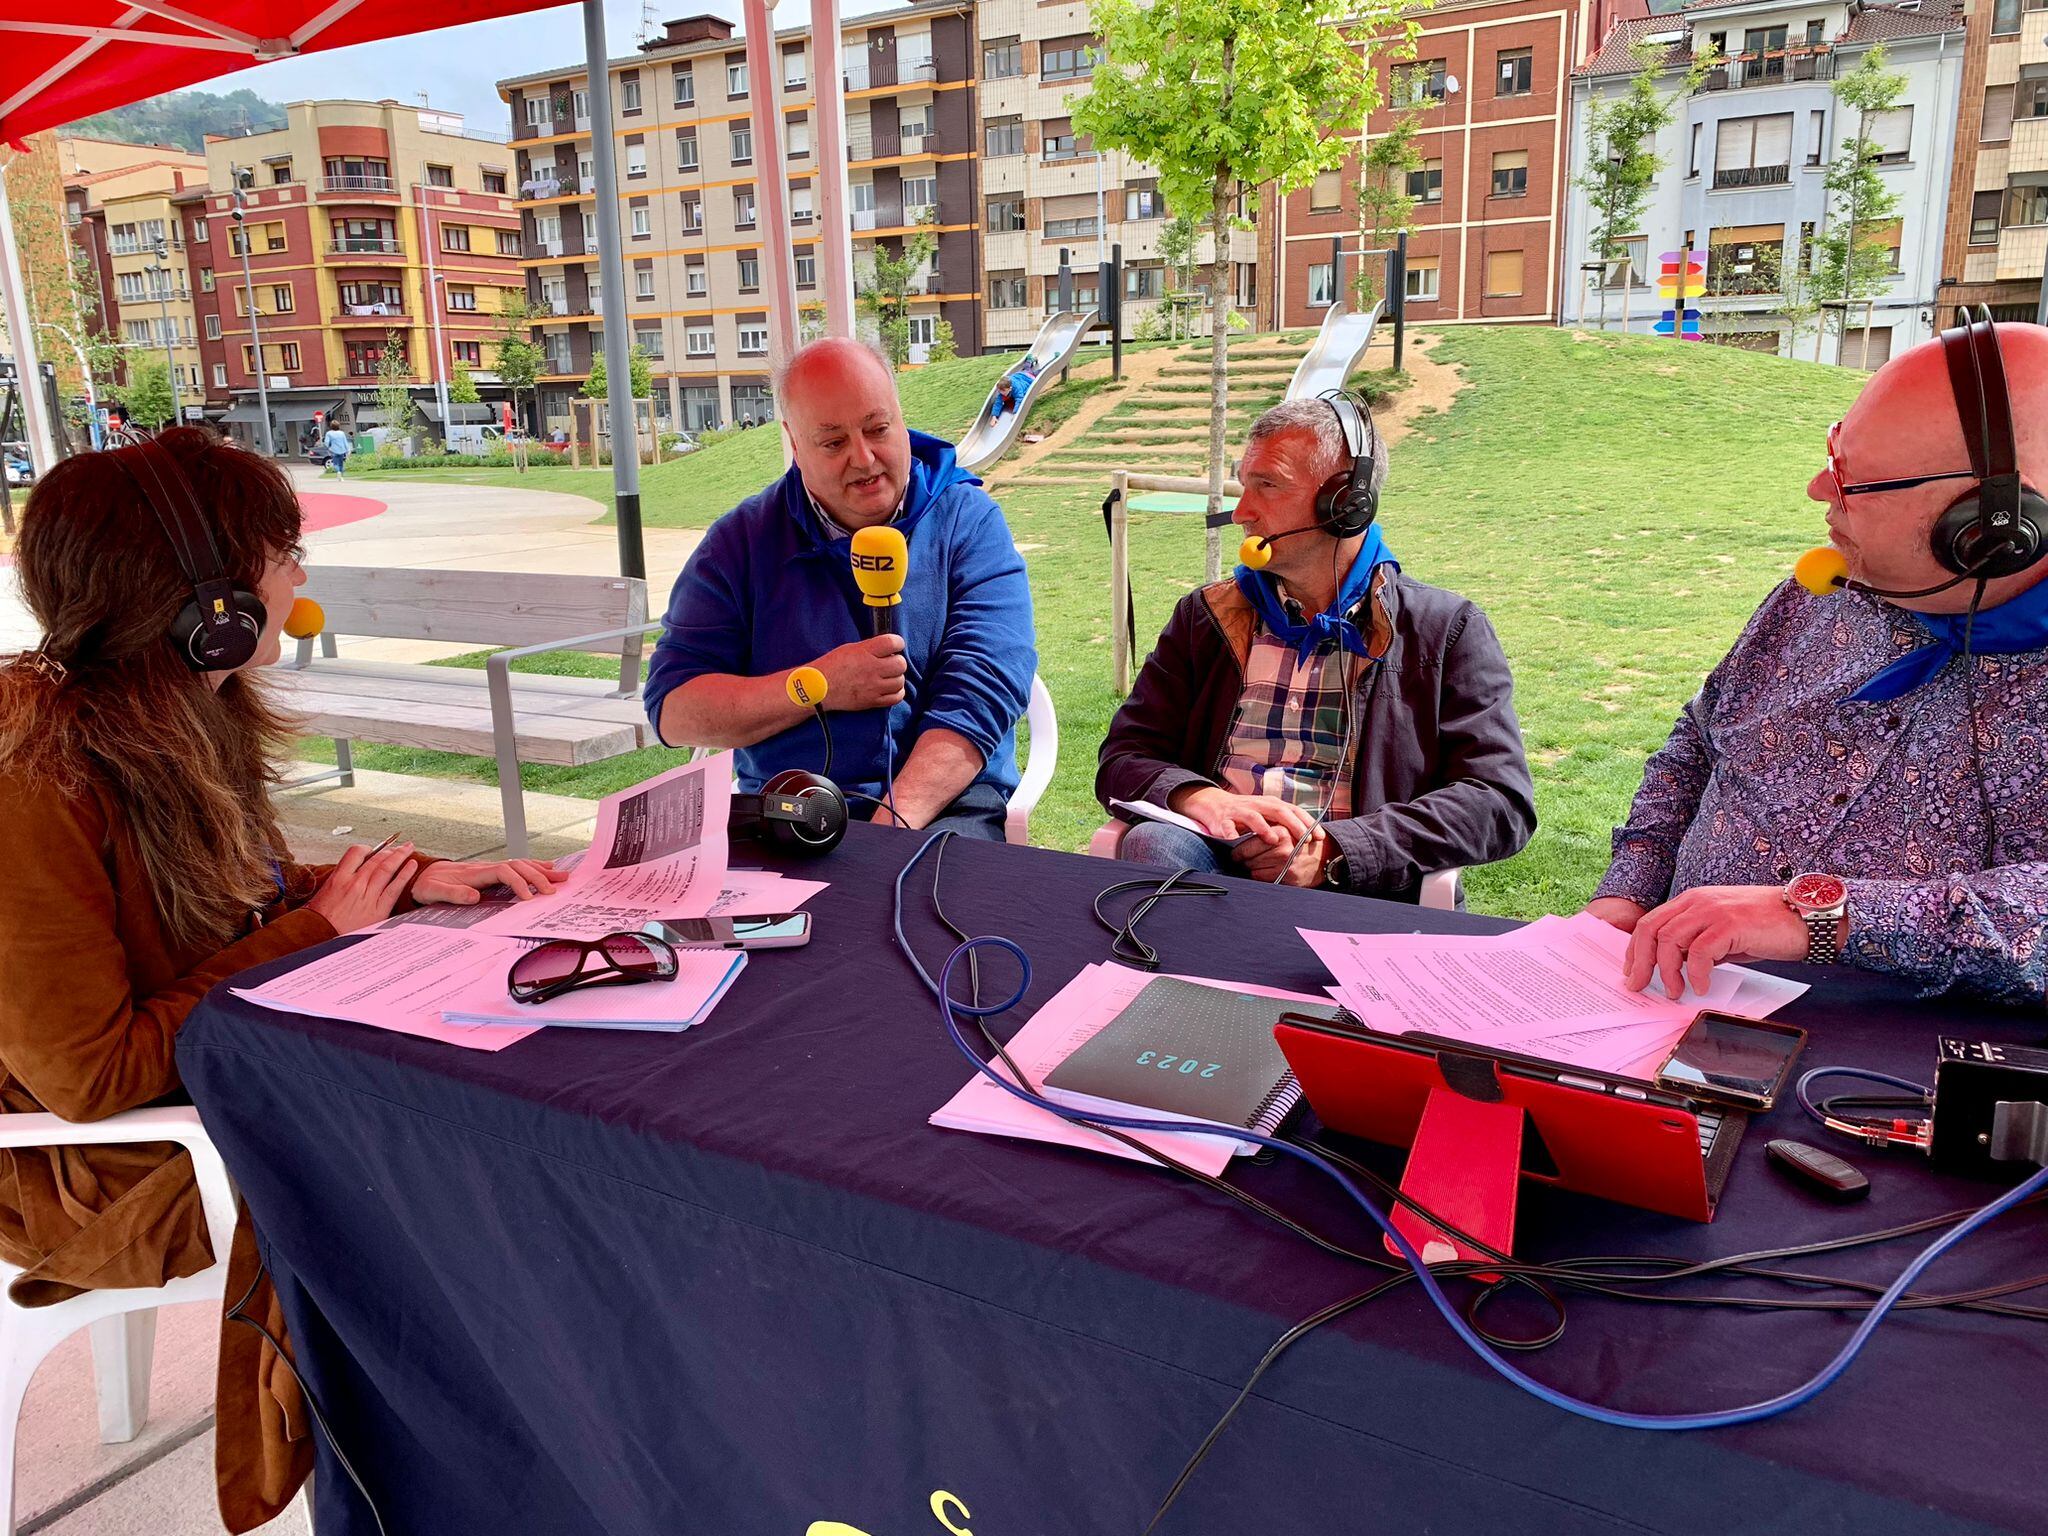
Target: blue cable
[1813, 1110]
[949, 1010]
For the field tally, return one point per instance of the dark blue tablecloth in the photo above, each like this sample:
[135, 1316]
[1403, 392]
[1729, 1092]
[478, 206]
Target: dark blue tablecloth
[731, 1282]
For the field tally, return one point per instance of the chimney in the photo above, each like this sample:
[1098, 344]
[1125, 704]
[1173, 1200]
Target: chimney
[696, 29]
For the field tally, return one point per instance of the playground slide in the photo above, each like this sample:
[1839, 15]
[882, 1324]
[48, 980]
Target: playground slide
[991, 436]
[1338, 347]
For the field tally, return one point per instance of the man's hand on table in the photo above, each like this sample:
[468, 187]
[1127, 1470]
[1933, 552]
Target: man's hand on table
[1685, 938]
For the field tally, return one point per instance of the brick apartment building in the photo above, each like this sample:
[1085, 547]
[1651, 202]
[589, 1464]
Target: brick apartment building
[687, 213]
[1487, 85]
[367, 222]
[1995, 244]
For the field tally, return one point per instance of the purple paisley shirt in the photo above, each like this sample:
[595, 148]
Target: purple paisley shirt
[1770, 772]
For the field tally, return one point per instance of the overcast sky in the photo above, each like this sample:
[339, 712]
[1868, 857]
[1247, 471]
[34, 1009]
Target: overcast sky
[458, 67]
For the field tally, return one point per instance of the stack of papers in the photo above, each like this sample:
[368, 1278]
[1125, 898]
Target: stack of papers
[449, 985]
[1063, 1023]
[1552, 988]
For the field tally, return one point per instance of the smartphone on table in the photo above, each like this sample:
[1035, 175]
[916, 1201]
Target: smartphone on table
[784, 930]
[1728, 1059]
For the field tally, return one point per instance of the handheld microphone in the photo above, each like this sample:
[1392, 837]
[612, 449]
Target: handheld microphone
[881, 562]
[806, 688]
[1256, 552]
[306, 619]
[1825, 570]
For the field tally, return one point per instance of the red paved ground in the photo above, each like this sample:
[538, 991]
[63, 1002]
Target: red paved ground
[325, 509]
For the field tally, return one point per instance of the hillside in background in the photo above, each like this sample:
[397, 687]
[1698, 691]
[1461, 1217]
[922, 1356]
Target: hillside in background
[182, 118]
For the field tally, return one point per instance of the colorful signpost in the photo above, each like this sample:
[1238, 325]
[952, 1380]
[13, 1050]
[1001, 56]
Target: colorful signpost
[1683, 276]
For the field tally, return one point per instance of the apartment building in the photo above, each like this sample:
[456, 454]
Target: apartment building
[368, 225]
[1046, 190]
[1486, 92]
[1995, 248]
[1746, 159]
[117, 207]
[687, 200]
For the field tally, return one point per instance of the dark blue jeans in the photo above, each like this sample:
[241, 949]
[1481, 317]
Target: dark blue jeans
[980, 812]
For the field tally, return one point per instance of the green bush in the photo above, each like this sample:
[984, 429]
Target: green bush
[497, 458]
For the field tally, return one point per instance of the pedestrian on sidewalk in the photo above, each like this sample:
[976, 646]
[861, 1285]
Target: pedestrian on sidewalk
[338, 447]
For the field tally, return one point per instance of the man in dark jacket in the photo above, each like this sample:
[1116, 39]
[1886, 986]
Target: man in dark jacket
[932, 710]
[1358, 724]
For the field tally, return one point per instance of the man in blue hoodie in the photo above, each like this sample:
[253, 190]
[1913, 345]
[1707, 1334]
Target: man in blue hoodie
[770, 588]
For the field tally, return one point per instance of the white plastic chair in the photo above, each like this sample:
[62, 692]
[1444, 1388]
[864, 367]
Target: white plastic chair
[1439, 887]
[123, 1322]
[1039, 763]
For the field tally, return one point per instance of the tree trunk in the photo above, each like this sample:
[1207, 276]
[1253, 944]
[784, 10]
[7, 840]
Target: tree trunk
[1219, 375]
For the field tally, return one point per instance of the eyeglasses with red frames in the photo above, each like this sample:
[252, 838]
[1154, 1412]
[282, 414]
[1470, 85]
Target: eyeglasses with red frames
[565, 965]
[1843, 487]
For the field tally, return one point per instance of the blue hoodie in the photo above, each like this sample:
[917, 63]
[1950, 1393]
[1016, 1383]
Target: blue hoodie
[766, 590]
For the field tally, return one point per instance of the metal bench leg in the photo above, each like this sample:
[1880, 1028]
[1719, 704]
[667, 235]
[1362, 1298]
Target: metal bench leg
[345, 761]
[510, 792]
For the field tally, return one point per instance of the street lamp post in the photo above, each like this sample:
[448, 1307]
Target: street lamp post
[243, 178]
[160, 275]
[434, 307]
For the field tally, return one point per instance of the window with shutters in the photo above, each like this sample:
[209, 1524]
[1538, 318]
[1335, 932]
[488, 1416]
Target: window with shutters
[1067, 58]
[743, 207]
[685, 85]
[643, 224]
[1510, 172]
[629, 95]
[1890, 134]
[806, 271]
[795, 74]
[1996, 127]
[1984, 207]
[1005, 215]
[742, 144]
[686, 149]
[750, 271]
[693, 213]
[1003, 136]
[799, 137]
[1421, 278]
[1753, 151]
[648, 340]
[2030, 97]
[2026, 199]
[1002, 58]
[1504, 274]
[700, 340]
[1816, 136]
[1426, 185]
[643, 283]
[636, 159]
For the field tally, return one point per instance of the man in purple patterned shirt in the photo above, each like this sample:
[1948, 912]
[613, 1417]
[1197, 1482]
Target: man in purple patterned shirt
[1825, 793]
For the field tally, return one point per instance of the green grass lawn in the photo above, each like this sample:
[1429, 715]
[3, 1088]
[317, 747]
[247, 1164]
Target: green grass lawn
[1617, 505]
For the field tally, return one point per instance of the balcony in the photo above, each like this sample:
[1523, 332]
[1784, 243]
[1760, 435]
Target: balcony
[346, 187]
[537, 189]
[370, 314]
[916, 71]
[1793, 66]
[919, 141]
[855, 77]
[863, 218]
[1753, 176]
[365, 247]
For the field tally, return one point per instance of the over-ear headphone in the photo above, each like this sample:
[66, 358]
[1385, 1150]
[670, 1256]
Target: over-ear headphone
[803, 812]
[1347, 502]
[219, 629]
[1996, 528]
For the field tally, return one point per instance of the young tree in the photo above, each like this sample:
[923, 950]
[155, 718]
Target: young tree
[599, 385]
[461, 387]
[1385, 209]
[515, 356]
[1178, 240]
[943, 348]
[147, 393]
[1622, 160]
[640, 372]
[810, 321]
[1224, 96]
[885, 295]
[1852, 261]
[394, 387]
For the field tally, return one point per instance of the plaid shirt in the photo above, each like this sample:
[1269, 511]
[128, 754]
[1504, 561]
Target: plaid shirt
[1288, 737]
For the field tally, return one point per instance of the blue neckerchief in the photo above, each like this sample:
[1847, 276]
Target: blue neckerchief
[1333, 624]
[2018, 624]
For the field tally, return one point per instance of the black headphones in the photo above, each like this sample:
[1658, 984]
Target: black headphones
[1996, 528]
[803, 812]
[1347, 502]
[219, 629]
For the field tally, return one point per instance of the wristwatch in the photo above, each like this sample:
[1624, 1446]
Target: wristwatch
[1820, 900]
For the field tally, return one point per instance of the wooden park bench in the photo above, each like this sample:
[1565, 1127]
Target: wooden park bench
[513, 717]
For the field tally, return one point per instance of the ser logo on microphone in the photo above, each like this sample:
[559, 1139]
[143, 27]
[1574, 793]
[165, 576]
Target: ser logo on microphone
[867, 562]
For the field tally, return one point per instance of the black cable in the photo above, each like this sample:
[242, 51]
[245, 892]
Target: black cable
[1124, 942]
[235, 1314]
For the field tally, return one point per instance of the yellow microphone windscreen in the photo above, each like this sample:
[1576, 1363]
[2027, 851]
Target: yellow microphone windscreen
[306, 619]
[805, 687]
[881, 561]
[1821, 571]
[1255, 554]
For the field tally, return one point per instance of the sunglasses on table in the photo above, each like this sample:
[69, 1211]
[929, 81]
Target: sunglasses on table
[1838, 474]
[568, 965]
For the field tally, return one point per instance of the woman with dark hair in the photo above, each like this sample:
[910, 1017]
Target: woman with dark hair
[145, 866]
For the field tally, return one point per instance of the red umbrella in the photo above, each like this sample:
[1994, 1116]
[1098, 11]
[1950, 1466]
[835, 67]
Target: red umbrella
[59, 63]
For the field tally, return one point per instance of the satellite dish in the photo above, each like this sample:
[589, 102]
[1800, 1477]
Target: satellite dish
[1450, 85]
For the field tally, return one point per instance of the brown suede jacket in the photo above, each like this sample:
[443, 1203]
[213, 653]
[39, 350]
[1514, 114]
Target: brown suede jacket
[92, 1001]
[1440, 779]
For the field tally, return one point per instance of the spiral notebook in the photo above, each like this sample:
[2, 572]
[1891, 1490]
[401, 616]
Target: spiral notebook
[1183, 1051]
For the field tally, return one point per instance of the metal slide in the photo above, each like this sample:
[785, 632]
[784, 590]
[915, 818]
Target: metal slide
[991, 436]
[1338, 347]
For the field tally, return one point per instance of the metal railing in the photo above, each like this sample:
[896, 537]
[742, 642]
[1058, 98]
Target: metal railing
[369, 313]
[919, 141]
[364, 245]
[357, 184]
[864, 218]
[1748, 70]
[1753, 176]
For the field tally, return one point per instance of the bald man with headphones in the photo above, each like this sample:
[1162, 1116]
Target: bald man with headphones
[1864, 778]
[1339, 722]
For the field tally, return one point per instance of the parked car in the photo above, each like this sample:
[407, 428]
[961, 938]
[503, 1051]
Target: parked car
[19, 470]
